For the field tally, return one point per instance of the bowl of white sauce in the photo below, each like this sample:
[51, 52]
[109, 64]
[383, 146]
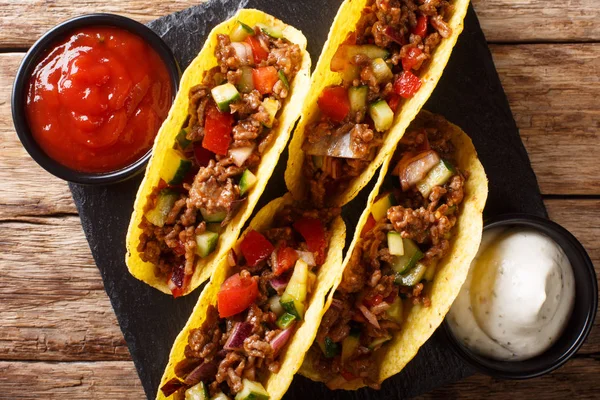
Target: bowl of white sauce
[529, 300]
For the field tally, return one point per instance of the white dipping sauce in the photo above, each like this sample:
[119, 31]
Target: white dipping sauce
[517, 298]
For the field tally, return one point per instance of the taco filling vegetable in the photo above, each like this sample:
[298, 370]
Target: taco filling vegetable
[379, 63]
[409, 230]
[259, 307]
[212, 165]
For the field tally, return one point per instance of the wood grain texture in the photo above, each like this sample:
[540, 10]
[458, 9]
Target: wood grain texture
[530, 20]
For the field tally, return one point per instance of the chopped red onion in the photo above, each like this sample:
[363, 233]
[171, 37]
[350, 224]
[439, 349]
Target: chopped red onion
[203, 372]
[241, 330]
[279, 283]
[243, 52]
[369, 316]
[307, 256]
[239, 155]
[413, 169]
[281, 339]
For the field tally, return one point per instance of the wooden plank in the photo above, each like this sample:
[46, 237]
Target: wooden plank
[553, 93]
[58, 310]
[77, 380]
[501, 20]
[27, 189]
[578, 379]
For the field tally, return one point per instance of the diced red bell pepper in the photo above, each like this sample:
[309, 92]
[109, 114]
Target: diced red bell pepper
[313, 233]
[217, 130]
[178, 281]
[264, 79]
[407, 84]
[259, 52]
[255, 248]
[370, 224]
[286, 259]
[202, 155]
[373, 301]
[236, 295]
[411, 59]
[334, 103]
[421, 27]
[349, 376]
[393, 100]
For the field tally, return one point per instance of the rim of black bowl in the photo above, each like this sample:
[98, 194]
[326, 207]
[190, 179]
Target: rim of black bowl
[30, 61]
[580, 322]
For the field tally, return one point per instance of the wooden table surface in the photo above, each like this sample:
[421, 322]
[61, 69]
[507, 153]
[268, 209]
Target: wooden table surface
[59, 337]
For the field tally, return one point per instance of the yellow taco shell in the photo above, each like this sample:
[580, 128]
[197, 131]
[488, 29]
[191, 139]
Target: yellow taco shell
[165, 139]
[344, 23]
[276, 384]
[451, 271]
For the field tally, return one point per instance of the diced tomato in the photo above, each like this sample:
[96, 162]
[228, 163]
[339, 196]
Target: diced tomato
[236, 295]
[407, 84]
[373, 301]
[264, 79]
[217, 130]
[313, 232]
[393, 100]
[334, 103]
[370, 224]
[259, 52]
[178, 281]
[202, 155]
[421, 27]
[255, 248]
[411, 59]
[286, 259]
[349, 376]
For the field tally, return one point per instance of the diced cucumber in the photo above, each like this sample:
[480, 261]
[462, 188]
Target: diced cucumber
[271, 106]
[382, 115]
[413, 277]
[284, 79]
[213, 227]
[395, 243]
[218, 216]
[219, 396]
[349, 346]
[317, 161]
[430, 272]
[412, 254]
[395, 312]
[358, 98]
[247, 181]
[381, 206]
[275, 33]
[285, 320]
[197, 392]
[370, 50]
[245, 83]
[164, 203]
[275, 305]
[378, 342]
[182, 139]
[206, 243]
[252, 390]
[438, 176]
[294, 296]
[350, 73]
[381, 70]
[175, 167]
[224, 95]
[329, 348]
[240, 32]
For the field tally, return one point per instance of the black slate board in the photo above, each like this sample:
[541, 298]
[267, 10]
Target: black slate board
[469, 94]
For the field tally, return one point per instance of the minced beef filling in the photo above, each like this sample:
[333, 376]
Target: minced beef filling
[223, 370]
[394, 26]
[368, 280]
[213, 187]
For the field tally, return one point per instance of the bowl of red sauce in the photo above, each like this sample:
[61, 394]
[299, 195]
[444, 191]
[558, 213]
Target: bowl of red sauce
[91, 95]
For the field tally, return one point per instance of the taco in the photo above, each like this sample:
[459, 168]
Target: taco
[213, 156]
[408, 259]
[381, 62]
[259, 313]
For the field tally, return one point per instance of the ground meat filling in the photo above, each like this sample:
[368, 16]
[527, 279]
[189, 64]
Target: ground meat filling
[212, 185]
[206, 359]
[410, 30]
[368, 287]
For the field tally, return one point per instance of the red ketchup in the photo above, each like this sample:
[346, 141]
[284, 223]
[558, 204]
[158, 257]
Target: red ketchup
[97, 99]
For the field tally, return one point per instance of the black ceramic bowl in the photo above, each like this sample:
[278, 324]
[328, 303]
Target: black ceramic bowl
[579, 325]
[31, 60]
